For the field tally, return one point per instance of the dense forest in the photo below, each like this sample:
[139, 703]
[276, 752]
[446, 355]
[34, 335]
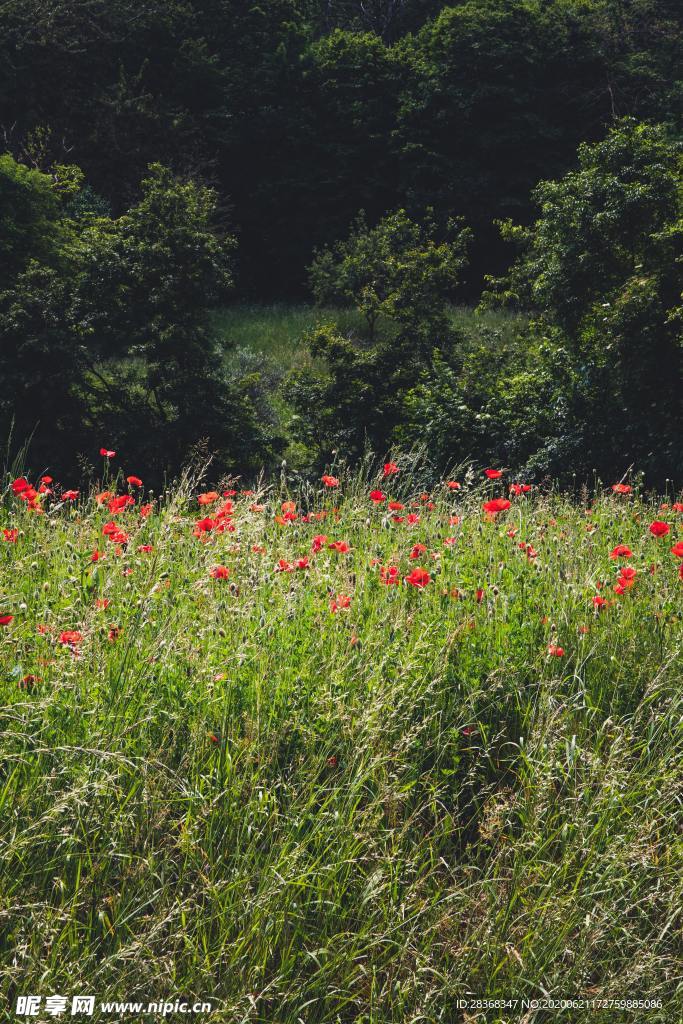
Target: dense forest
[391, 156]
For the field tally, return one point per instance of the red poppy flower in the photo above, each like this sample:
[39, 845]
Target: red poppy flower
[599, 601]
[418, 550]
[146, 510]
[413, 518]
[390, 469]
[302, 563]
[339, 545]
[627, 573]
[479, 596]
[318, 542]
[219, 572]
[330, 481]
[388, 574]
[659, 529]
[677, 506]
[493, 474]
[208, 497]
[520, 488]
[377, 497]
[46, 480]
[450, 541]
[496, 505]
[145, 549]
[418, 578]
[107, 453]
[20, 485]
[339, 602]
[102, 602]
[70, 638]
[621, 551]
[395, 506]
[119, 504]
[5, 620]
[70, 495]
[622, 488]
[555, 651]
[677, 549]
[134, 481]
[10, 535]
[453, 485]
[283, 566]
[203, 526]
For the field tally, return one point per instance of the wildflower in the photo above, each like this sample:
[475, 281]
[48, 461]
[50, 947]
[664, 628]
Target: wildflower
[302, 563]
[555, 651]
[621, 551]
[219, 572]
[479, 595]
[377, 497]
[10, 535]
[70, 638]
[520, 488]
[452, 485]
[204, 526]
[319, 541]
[208, 497]
[677, 506]
[413, 518]
[96, 555]
[450, 541]
[622, 488]
[659, 529]
[395, 506]
[677, 549]
[496, 505]
[389, 575]
[469, 730]
[70, 495]
[418, 550]
[512, 532]
[493, 474]
[599, 602]
[134, 481]
[145, 510]
[330, 481]
[107, 453]
[418, 578]
[116, 505]
[339, 602]
[5, 620]
[20, 485]
[283, 566]
[145, 549]
[390, 469]
[340, 545]
[46, 480]
[102, 602]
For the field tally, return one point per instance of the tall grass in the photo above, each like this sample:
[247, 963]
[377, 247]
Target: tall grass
[229, 790]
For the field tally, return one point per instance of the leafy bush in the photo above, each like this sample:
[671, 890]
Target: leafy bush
[117, 340]
[400, 276]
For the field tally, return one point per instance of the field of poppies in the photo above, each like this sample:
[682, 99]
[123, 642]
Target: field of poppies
[356, 749]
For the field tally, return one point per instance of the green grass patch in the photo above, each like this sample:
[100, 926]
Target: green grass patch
[308, 794]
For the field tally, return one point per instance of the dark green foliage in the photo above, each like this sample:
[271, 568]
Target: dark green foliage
[116, 345]
[399, 276]
[603, 264]
[302, 112]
